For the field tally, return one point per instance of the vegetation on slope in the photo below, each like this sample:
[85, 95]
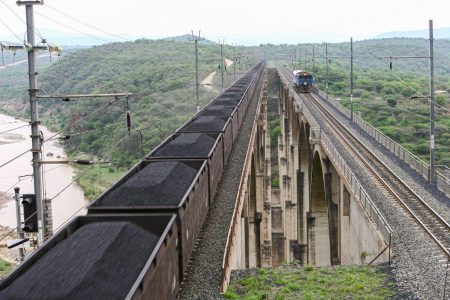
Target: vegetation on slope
[290, 282]
[161, 76]
[383, 96]
[4, 267]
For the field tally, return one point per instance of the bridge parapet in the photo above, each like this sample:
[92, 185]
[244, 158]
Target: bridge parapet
[442, 177]
[359, 192]
[316, 133]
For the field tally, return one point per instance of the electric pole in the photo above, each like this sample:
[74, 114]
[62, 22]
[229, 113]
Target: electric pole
[196, 39]
[432, 174]
[351, 79]
[19, 225]
[313, 57]
[326, 66]
[221, 61]
[432, 130]
[35, 134]
[306, 55]
[234, 64]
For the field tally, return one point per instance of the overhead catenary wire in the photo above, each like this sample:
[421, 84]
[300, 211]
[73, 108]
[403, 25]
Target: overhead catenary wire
[81, 119]
[8, 233]
[59, 132]
[84, 23]
[71, 28]
[411, 87]
[36, 31]
[406, 84]
[2, 132]
[76, 81]
[14, 158]
[10, 30]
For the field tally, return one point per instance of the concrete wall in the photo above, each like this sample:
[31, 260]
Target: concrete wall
[313, 217]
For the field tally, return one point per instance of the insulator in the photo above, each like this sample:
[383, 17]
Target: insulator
[64, 137]
[65, 99]
[82, 162]
[129, 121]
[390, 65]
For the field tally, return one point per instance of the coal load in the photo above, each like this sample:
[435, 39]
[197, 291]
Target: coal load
[99, 261]
[157, 184]
[205, 124]
[187, 145]
[217, 110]
[228, 101]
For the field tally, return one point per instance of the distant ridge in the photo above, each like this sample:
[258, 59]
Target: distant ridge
[441, 33]
[185, 38]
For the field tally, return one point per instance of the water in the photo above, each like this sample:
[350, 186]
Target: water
[57, 176]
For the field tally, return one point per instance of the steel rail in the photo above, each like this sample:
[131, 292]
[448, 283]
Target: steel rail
[396, 179]
[436, 217]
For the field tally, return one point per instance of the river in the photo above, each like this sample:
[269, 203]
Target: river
[57, 176]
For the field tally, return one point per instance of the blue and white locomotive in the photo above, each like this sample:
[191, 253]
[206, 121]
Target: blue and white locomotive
[303, 80]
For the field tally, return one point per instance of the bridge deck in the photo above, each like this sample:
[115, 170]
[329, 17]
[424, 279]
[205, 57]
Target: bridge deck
[418, 263]
[204, 273]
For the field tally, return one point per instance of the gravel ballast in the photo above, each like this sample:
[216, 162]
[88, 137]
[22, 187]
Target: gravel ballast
[157, 184]
[99, 261]
[416, 262]
[205, 270]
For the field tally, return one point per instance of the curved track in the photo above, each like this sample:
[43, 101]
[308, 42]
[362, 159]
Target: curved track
[386, 180]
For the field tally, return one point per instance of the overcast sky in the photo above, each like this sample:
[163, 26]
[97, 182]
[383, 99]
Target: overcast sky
[236, 18]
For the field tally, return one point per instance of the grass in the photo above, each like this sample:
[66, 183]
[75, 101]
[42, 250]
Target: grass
[4, 267]
[343, 282]
[96, 178]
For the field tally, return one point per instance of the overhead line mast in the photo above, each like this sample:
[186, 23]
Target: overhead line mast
[43, 206]
[35, 134]
[196, 39]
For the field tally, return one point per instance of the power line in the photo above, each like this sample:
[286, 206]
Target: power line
[14, 128]
[84, 23]
[35, 30]
[409, 86]
[14, 158]
[71, 28]
[4, 24]
[81, 119]
[59, 132]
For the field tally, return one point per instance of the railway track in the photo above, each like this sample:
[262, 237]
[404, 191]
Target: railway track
[386, 180]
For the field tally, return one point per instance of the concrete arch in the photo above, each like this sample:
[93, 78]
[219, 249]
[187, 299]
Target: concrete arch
[333, 190]
[318, 225]
[303, 171]
[253, 224]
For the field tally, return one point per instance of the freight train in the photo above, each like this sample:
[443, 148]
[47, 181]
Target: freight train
[303, 81]
[137, 237]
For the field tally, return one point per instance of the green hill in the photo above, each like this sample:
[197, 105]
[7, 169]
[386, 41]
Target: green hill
[383, 96]
[161, 76]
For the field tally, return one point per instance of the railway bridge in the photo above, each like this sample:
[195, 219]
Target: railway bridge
[228, 191]
[347, 194]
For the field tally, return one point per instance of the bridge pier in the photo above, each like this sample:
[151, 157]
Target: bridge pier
[315, 202]
[313, 216]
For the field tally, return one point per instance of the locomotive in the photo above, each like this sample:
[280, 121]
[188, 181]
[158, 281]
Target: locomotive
[303, 81]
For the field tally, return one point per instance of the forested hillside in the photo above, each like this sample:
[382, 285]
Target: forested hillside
[383, 96]
[161, 76]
